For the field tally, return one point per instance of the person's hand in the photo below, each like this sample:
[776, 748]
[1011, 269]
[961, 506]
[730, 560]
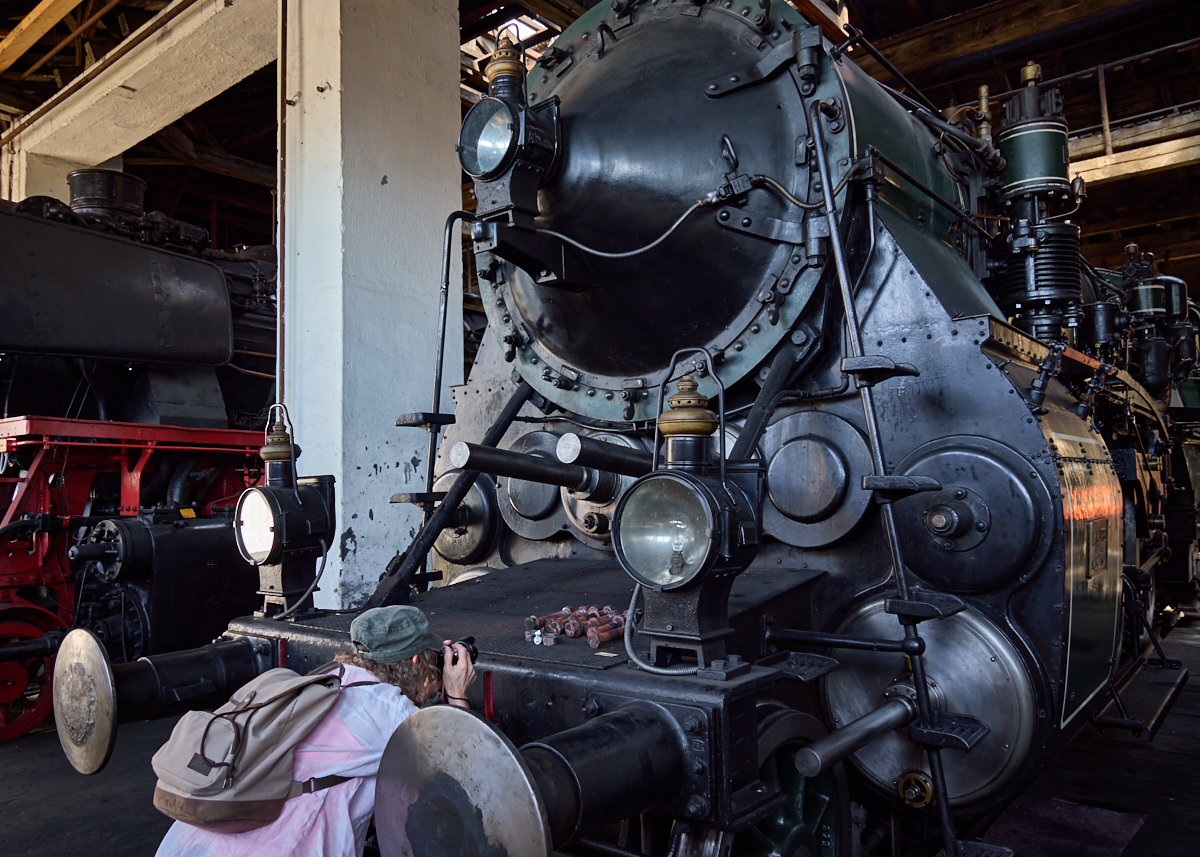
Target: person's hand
[456, 678]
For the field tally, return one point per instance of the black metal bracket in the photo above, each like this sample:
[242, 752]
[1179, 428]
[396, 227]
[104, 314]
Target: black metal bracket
[871, 369]
[889, 489]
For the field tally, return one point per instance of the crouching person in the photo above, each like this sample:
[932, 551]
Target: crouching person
[288, 766]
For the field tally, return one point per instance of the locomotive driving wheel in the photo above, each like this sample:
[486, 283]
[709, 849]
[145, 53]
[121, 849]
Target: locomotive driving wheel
[25, 698]
[814, 820]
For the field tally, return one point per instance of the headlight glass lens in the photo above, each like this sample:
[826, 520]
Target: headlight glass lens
[664, 532]
[256, 526]
[486, 137]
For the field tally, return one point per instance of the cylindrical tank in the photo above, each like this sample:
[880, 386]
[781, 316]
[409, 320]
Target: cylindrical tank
[1036, 154]
[106, 193]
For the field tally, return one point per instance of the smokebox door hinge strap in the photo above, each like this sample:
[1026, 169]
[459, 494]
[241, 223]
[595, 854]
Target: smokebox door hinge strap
[775, 59]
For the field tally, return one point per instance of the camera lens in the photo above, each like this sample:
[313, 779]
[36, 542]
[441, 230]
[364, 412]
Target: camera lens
[466, 642]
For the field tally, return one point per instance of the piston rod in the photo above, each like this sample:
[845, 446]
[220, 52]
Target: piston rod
[589, 452]
[836, 746]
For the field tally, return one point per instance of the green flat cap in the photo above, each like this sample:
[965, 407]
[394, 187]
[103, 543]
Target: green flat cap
[391, 634]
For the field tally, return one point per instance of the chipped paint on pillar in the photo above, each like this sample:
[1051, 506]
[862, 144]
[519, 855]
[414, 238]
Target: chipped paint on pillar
[363, 260]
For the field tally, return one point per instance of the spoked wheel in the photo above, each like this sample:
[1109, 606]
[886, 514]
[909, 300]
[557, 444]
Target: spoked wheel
[814, 820]
[25, 698]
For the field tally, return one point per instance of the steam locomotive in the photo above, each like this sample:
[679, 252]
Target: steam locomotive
[902, 483]
[136, 366]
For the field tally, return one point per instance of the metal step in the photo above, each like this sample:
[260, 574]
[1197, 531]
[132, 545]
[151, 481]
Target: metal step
[418, 498]
[950, 731]
[923, 604]
[800, 666]
[424, 419]
[1147, 698]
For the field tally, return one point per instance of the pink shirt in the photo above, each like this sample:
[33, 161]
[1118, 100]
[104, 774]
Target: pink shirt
[349, 742]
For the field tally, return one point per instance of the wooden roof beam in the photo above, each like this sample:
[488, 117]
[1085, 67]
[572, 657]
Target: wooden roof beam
[490, 21]
[987, 27]
[36, 24]
[1141, 161]
[824, 17]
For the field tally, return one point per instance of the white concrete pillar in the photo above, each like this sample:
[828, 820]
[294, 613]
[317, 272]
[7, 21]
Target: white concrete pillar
[369, 175]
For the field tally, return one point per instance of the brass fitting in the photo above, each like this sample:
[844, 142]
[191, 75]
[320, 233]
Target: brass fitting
[505, 60]
[1031, 73]
[985, 114]
[689, 415]
[279, 446]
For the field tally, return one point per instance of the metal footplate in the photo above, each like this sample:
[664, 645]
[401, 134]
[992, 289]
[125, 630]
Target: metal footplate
[424, 420]
[922, 604]
[800, 666]
[949, 731]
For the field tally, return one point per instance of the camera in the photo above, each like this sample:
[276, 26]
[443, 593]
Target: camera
[468, 643]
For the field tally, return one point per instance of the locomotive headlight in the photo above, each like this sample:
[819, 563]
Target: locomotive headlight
[487, 142]
[270, 520]
[254, 525]
[257, 525]
[666, 530]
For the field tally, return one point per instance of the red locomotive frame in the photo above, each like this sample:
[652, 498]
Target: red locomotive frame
[37, 592]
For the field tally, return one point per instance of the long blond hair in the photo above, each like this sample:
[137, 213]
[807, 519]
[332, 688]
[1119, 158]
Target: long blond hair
[420, 681]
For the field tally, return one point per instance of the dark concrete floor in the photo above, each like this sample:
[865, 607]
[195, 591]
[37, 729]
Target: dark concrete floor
[48, 810]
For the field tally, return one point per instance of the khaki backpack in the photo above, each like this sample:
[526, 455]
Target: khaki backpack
[230, 770]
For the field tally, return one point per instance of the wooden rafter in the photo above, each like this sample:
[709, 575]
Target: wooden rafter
[36, 24]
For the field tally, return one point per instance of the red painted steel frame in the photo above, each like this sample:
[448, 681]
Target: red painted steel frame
[36, 589]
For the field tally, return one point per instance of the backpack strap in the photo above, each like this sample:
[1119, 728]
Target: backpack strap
[315, 784]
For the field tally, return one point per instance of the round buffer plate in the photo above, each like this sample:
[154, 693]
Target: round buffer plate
[450, 783]
[85, 702]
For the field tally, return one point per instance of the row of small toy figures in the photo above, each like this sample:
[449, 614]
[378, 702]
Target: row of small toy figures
[598, 624]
